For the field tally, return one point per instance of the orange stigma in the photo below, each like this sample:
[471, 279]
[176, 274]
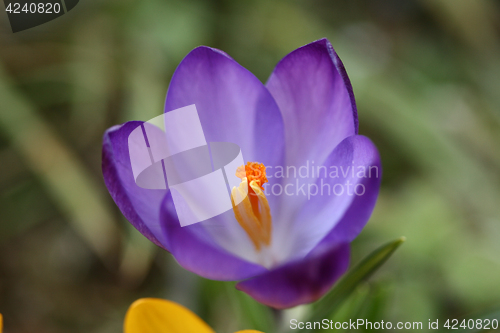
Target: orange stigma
[250, 204]
[254, 172]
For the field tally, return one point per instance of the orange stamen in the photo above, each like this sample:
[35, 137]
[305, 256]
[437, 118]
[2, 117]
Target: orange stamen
[254, 172]
[252, 211]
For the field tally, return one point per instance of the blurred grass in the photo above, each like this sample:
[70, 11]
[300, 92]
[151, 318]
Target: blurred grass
[426, 79]
[61, 173]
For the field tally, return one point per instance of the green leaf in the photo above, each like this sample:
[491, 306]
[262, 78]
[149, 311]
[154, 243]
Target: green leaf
[352, 305]
[250, 313]
[328, 305]
[376, 303]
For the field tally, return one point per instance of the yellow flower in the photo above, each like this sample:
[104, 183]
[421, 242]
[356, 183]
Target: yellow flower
[153, 315]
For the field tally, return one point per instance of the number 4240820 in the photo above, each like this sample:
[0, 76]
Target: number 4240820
[478, 324]
[40, 8]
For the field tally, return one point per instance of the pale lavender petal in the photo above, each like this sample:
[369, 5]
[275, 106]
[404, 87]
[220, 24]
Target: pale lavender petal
[140, 206]
[316, 99]
[300, 282]
[345, 195]
[195, 250]
[233, 105]
[356, 216]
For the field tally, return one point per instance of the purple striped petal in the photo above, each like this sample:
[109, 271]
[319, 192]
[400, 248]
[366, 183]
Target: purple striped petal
[360, 209]
[195, 250]
[316, 99]
[300, 282]
[346, 192]
[140, 206]
[233, 105]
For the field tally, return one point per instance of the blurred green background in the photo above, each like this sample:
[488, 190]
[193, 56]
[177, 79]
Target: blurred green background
[426, 75]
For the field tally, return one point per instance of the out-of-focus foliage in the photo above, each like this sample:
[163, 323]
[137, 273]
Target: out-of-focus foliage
[426, 75]
[329, 305]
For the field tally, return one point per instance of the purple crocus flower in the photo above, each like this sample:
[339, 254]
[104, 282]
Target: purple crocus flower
[296, 241]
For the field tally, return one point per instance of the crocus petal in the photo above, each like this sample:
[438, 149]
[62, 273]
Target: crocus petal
[152, 315]
[344, 198]
[360, 209]
[300, 282]
[195, 250]
[140, 206]
[316, 99]
[233, 105]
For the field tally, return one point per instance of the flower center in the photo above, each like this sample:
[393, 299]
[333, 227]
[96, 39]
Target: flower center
[252, 211]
